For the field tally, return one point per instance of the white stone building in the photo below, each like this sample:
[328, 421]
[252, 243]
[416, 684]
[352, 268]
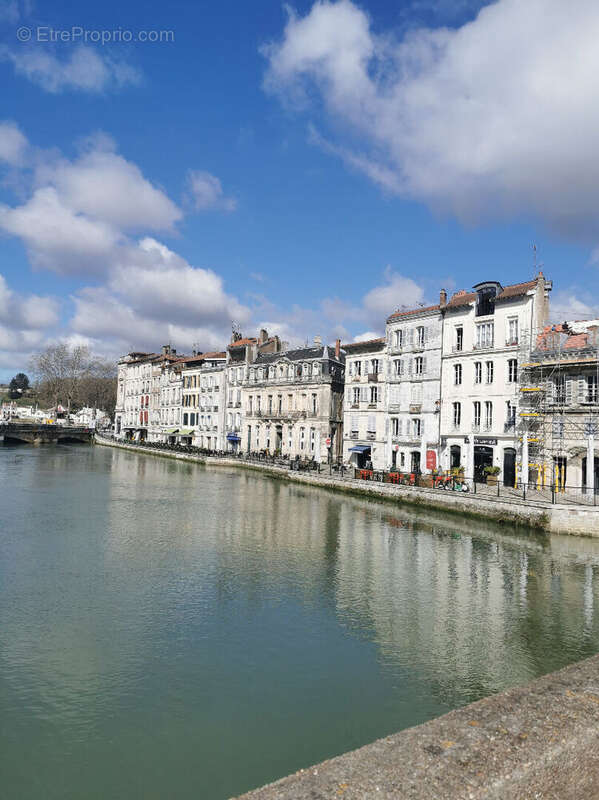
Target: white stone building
[364, 406]
[292, 403]
[203, 400]
[482, 332]
[413, 398]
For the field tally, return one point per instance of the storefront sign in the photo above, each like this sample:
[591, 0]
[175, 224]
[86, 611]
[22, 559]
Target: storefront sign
[482, 440]
[431, 459]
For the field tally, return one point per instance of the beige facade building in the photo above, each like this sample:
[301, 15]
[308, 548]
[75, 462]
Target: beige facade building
[203, 400]
[292, 403]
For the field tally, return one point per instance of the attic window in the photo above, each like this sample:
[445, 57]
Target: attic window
[485, 301]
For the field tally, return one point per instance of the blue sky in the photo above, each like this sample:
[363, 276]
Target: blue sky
[311, 170]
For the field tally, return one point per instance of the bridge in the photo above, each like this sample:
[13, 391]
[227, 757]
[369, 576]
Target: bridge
[44, 434]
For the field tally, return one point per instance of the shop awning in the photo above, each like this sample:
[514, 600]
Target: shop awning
[172, 430]
[185, 432]
[233, 437]
[359, 448]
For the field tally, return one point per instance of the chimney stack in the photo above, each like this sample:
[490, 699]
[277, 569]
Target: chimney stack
[263, 335]
[442, 298]
[317, 341]
[338, 349]
[166, 349]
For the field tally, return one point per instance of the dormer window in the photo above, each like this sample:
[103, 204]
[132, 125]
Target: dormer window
[485, 298]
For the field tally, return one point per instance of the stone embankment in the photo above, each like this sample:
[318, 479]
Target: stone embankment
[535, 741]
[556, 518]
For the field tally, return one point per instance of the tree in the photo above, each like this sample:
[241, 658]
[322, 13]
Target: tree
[18, 386]
[71, 376]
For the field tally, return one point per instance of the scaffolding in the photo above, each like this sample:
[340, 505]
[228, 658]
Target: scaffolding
[558, 414]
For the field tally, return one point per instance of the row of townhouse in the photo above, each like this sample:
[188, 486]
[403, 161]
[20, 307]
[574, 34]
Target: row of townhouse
[441, 389]
[258, 395]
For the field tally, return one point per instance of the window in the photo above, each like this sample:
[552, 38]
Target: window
[302, 438]
[280, 403]
[357, 367]
[512, 331]
[250, 404]
[488, 415]
[290, 402]
[485, 302]
[374, 394]
[257, 436]
[476, 415]
[419, 365]
[398, 338]
[398, 367]
[356, 395]
[417, 427]
[457, 415]
[270, 403]
[478, 372]
[558, 428]
[510, 415]
[457, 374]
[258, 403]
[559, 389]
[314, 404]
[395, 426]
[374, 366]
[312, 440]
[420, 336]
[485, 335]
[512, 370]
[354, 427]
[371, 423]
[489, 372]
[591, 389]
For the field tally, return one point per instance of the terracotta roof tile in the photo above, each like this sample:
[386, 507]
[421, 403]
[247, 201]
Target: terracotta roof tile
[516, 289]
[413, 312]
[242, 342]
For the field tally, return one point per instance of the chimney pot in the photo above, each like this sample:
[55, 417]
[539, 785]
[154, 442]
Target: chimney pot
[443, 297]
[338, 349]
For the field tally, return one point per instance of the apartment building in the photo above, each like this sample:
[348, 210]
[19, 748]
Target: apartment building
[413, 399]
[364, 412]
[483, 331]
[292, 403]
[203, 380]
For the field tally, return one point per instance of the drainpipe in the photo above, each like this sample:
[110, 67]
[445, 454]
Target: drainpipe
[590, 463]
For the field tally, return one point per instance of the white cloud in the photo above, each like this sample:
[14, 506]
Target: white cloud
[494, 119]
[207, 192]
[77, 219]
[566, 304]
[366, 336]
[13, 144]
[84, 69]
[24, 323]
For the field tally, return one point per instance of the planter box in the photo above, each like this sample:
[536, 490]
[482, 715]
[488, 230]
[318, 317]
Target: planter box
[492, 480]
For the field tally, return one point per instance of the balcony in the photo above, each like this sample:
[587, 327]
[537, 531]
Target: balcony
[373, 377]
[510, 425]
[457, 348]
[353, 435]
[512, 343]
[484, 345]
[415, 408]
[371, 436]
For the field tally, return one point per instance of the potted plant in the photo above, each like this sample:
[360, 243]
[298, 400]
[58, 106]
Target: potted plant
[492, 473]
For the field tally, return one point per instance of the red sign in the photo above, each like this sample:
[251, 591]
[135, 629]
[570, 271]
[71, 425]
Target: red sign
[328, 441]
[431, 459]
[396, 447]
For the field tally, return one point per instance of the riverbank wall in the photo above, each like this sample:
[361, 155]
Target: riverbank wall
[556, 518]
[535, 741]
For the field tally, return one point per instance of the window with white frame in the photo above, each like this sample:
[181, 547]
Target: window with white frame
[419, 365]
[395, 426]
[398, 338]
[417, 427]
[476, 414]
[512, 331]
[312, 440]
[398, 364]
[356, 395]
[459, 338]
[512, 370]
[591, 393]
[420, 336]
[374, 394]
[485, 335]
[457, 415]
[488, 415]
[374, 366]
[478, 372]
[490, 372]
[457, 374]
[302, 438]
[371, 423]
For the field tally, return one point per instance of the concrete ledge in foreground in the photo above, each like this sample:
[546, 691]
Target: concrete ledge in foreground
[539, 741]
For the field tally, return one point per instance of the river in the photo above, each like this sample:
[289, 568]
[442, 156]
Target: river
[174, 630]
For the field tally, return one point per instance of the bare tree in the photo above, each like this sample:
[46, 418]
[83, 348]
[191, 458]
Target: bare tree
[59, 370]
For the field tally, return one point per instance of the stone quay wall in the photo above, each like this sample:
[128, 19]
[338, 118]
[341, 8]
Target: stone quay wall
[531, 742]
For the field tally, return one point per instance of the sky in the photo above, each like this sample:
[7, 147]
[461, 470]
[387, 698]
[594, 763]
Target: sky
[170, 170]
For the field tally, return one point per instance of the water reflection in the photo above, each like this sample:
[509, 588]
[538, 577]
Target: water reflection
[173, 630]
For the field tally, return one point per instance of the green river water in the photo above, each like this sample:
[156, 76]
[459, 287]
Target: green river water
[169, 630]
